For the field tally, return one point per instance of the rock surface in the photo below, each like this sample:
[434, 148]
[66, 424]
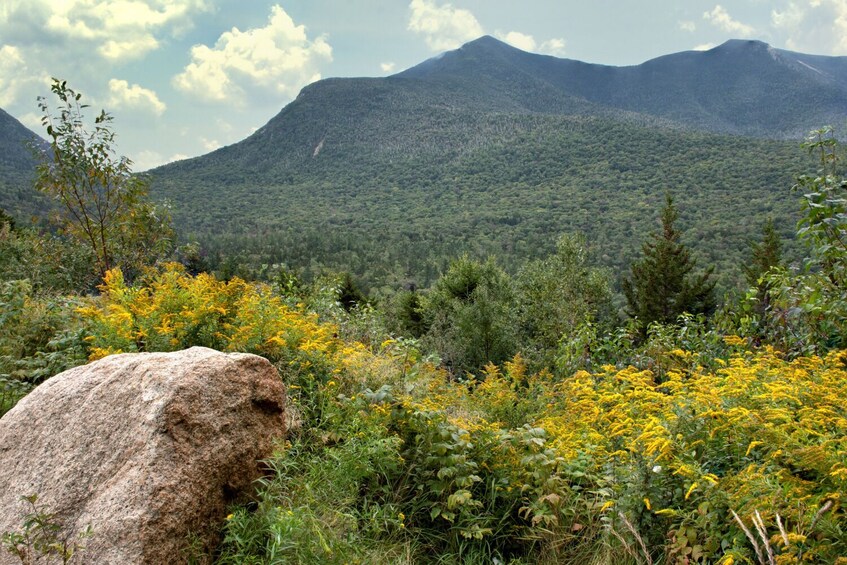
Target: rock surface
[145, 448]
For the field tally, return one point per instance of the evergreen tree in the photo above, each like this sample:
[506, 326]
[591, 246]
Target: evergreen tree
[663, 284]
[408, 313]
[765, 255]
[349, 294]
[470, 316]
[5, 218]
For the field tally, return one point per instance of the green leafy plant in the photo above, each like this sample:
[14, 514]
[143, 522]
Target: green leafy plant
[104, 206]
[809, 313]
[41, 539]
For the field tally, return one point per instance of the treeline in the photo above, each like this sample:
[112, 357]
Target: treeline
[378, 214]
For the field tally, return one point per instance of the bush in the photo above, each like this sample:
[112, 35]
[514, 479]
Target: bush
[41, 336]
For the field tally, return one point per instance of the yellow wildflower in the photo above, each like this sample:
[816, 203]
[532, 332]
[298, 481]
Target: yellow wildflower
[690, 490]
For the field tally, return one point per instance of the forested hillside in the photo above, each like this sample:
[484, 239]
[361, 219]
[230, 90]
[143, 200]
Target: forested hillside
[388, 212]
[491, 150]
[17, 168]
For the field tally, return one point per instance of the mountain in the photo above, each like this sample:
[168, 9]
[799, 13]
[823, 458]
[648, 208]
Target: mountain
[741, 87]
[491, 150]
[17, 168]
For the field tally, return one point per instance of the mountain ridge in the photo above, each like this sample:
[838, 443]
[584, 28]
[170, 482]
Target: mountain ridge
[491, 150]
[636, 92]
[699, 83]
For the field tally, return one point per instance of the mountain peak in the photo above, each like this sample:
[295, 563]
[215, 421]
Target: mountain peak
[744, 43]
[741, 45]
[486, 41]
[485, 50]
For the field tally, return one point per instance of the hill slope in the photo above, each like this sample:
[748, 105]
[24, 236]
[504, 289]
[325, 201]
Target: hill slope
[488, 149]
[17, 167]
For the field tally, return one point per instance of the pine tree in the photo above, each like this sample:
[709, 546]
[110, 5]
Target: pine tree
[663, 285]
[764, 255]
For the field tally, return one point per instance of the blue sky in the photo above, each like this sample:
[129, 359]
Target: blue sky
[183, 77]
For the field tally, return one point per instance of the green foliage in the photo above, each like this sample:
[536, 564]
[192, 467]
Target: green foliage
[470, 316]
[558, 295]
[6, 220]
[41, 539]
[663, 285]
[754, 310]
[104, 207]
[311, 512]
[50, 263]
[17, 166]
[809, 311]
[407, 313]
[41, 337]
[764, 256]
[388, 209]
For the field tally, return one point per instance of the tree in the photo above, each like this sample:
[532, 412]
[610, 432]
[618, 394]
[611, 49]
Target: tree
[663, 285]
[765, 256]
[557, 295]
[470, 315]
[103, 205]
[809, 307]
[6, 219]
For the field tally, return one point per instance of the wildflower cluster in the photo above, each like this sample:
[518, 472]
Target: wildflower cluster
[170, 310]
[708, 459]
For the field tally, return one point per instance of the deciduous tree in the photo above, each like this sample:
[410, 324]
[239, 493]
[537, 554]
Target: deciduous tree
[103, 205]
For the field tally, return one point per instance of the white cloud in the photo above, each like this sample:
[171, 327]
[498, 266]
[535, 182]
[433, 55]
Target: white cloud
[135, 97]
[688, 26]
[117, 30]
[816, 26]
[278, 59]
[387, 67]
[526, 42]
[555, 47]
[31, 120]
[443, 27]
[210, 144]
[446, 27]
[720, 17]
[147, 160]
[18, 79]
[518, 39]
[703, 47]
[789, 18]
[11, 69]
[223, 125]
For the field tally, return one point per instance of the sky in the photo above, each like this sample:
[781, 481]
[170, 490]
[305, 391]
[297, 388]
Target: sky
[184, 77]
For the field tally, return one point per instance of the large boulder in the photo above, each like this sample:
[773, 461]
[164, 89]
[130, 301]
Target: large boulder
[148, 449]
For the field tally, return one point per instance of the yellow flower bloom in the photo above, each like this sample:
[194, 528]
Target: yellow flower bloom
[690, 490]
